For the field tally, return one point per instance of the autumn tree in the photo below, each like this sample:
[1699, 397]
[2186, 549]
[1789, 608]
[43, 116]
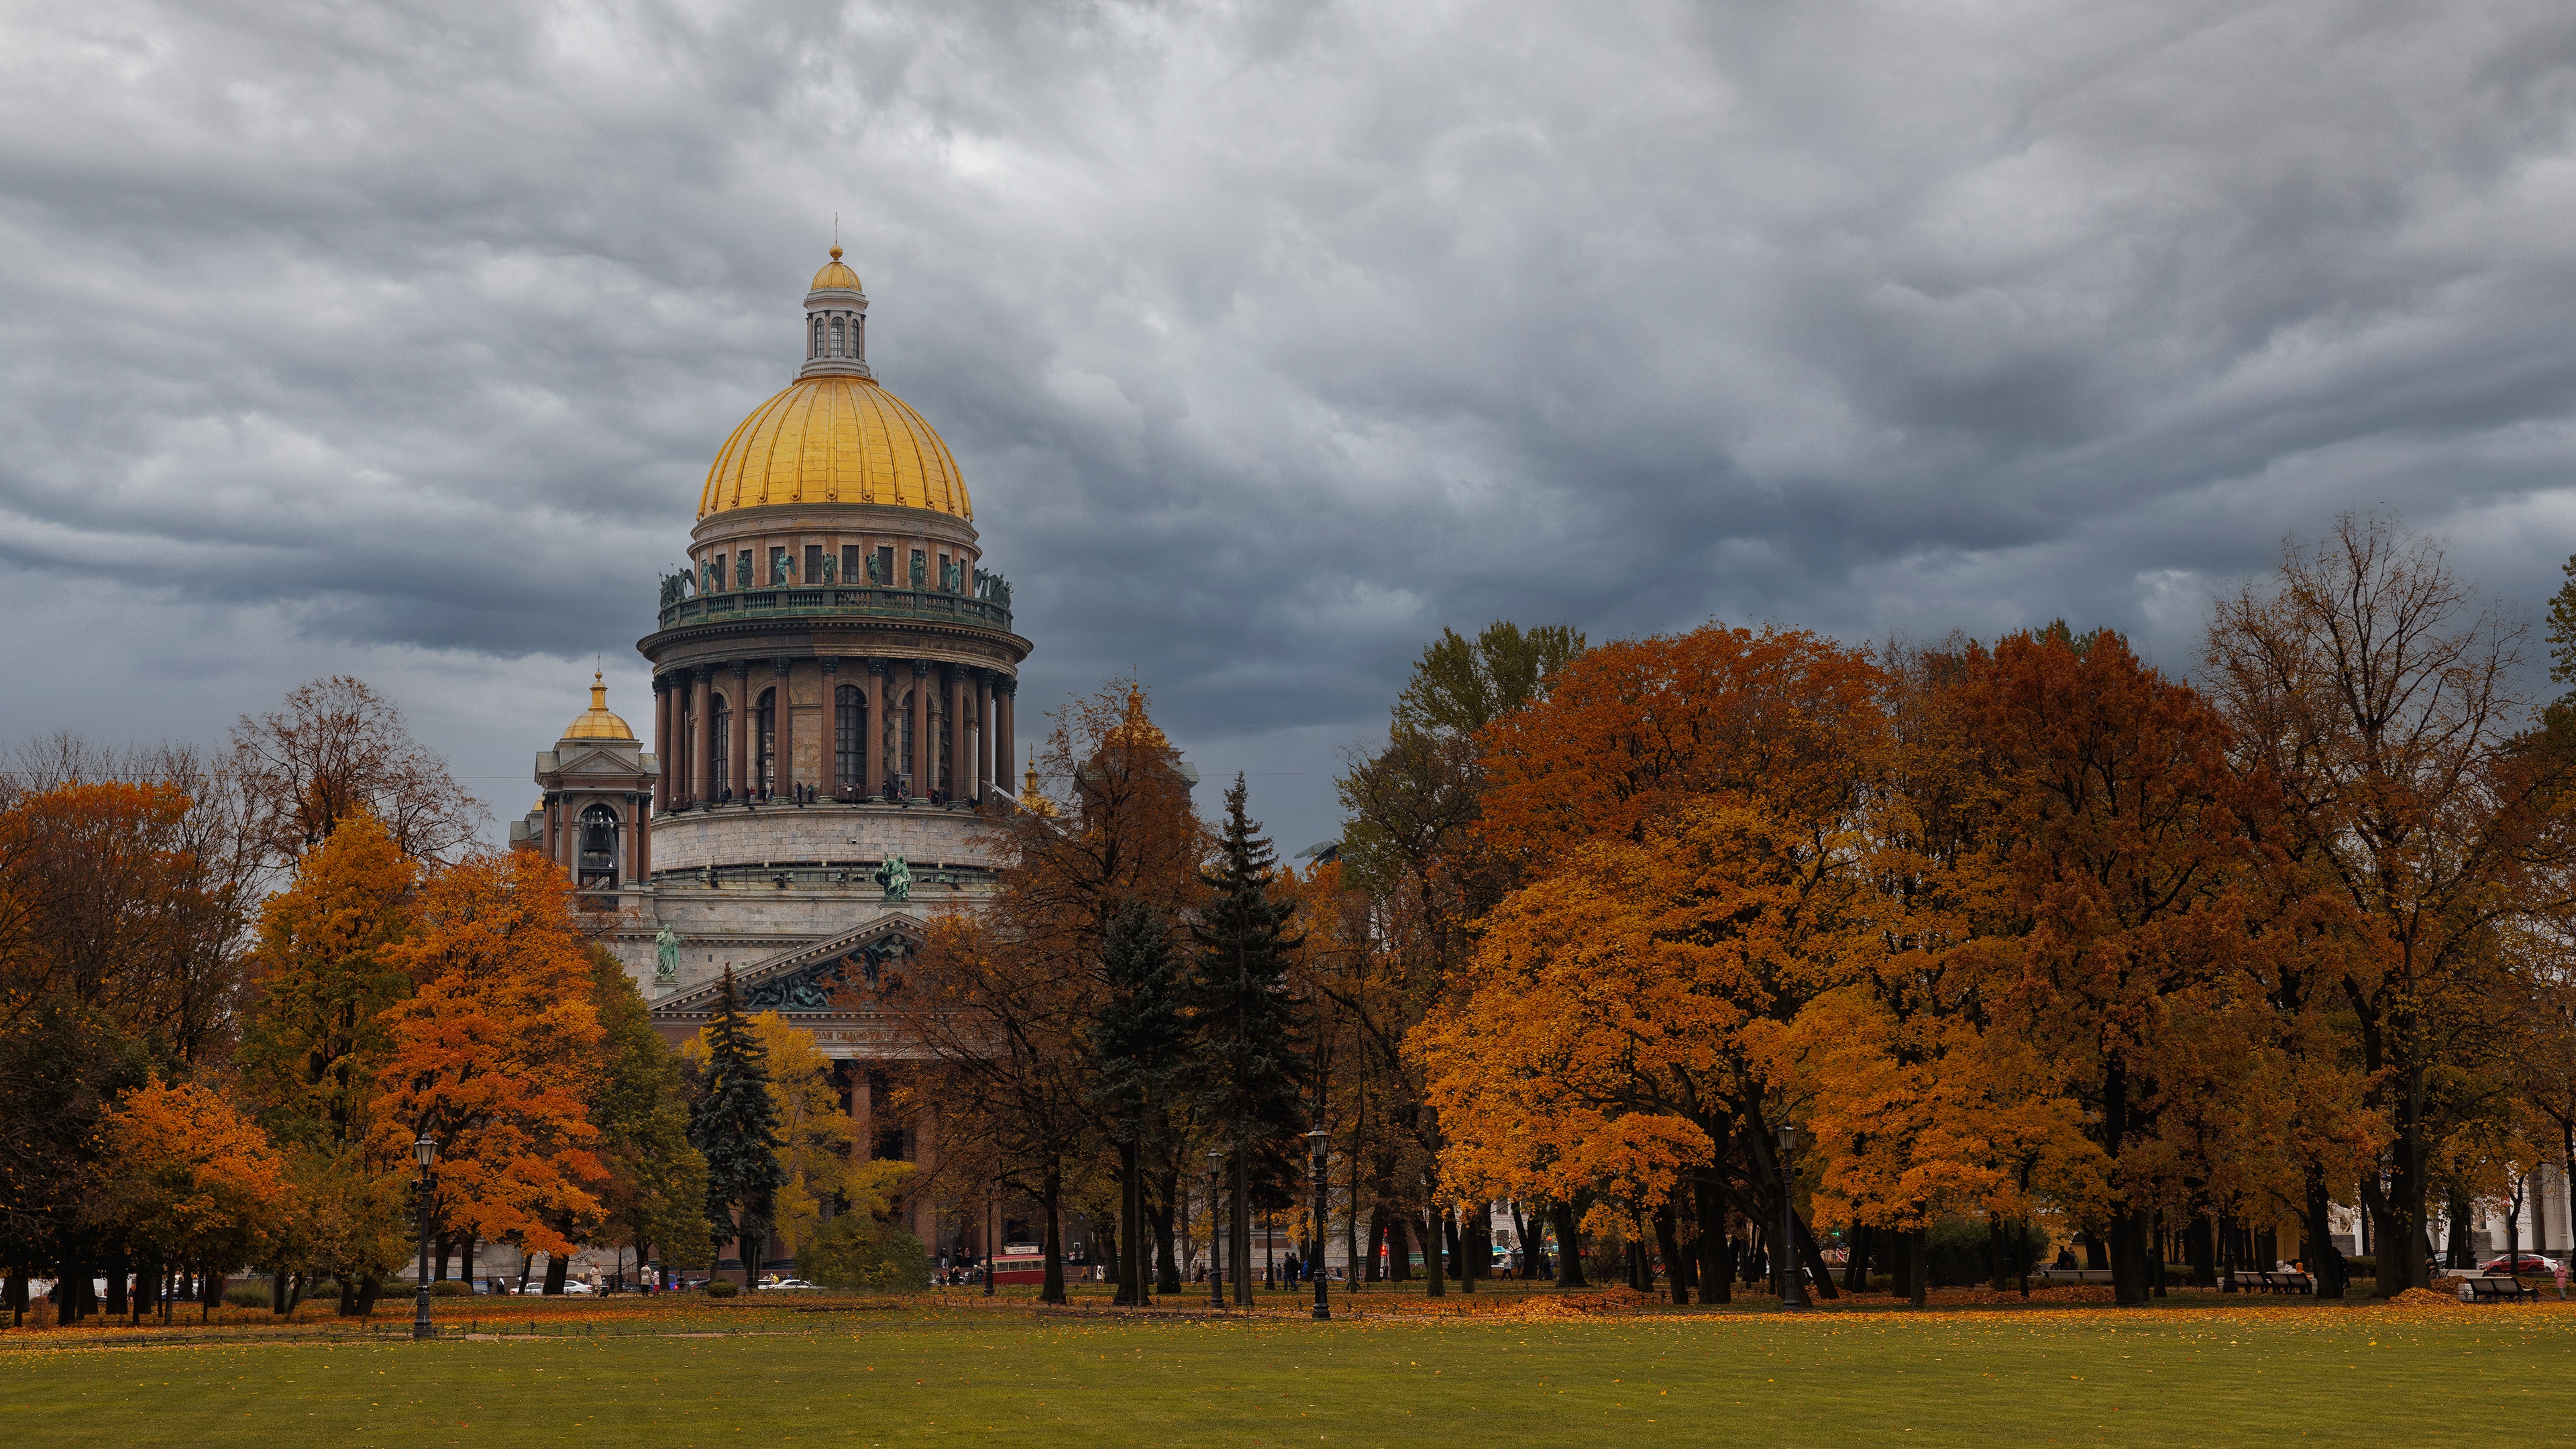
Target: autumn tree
[2368, 681]
[187, 1179]
[495, 1054]
[115, 962]
[1005, 1005]
[337, 749]
[1690, 813]
[315, 1049]
[733, 1123]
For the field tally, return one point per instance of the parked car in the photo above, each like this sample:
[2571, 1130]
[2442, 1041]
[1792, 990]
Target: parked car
[793, 1283]
[575, 1288]
[2525, 1263]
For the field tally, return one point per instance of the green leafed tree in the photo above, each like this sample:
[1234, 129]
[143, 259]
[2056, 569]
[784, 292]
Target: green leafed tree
[657, 1182]
[734, 1126]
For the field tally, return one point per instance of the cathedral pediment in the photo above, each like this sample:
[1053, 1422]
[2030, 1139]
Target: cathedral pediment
[807, 979]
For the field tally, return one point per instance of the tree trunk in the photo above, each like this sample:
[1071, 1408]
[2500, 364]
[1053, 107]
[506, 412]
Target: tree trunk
[558, 1272]
[370, 1288]
[1050, 1196]
[2129, 1257]
[2325, 1259]
[1241, 1218]
[438, 1267]
[1668, 1242]
[2458, 1251]
[1569, 1245]
[1812, 1258]
[2200, 1250]
[1437, 1287]
[1918, 1266]
[2403, 1220]
[116, 1266]
[1716, 1274]
[1399, 1247]
[1168, 1266]
[468, 1256]
[1129, 1235]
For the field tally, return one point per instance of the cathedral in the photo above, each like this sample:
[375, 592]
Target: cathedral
[833, 679]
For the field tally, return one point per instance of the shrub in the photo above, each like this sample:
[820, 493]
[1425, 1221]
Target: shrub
[247, 1295]
[451, 1288]
[854, 1250]
[722, 1288]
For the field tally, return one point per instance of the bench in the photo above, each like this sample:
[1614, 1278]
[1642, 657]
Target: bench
[2072, 1275]
[2275, 1283]
[2498, 1289]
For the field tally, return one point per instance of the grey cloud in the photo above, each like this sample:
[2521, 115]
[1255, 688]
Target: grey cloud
[1271, 337]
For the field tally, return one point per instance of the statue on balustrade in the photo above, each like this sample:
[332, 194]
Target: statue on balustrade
[993, 589]
[742, 569]
[782, 569]
[920, 572]
[896, 877]
[666, 958]
[710, 578]
[877, 571]
[823, 571]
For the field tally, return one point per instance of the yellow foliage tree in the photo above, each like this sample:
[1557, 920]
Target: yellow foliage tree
[816, 1138]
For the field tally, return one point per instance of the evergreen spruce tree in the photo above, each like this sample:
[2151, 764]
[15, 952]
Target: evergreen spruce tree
[1251, 1031]
[734, 1125]
[1139, 1049]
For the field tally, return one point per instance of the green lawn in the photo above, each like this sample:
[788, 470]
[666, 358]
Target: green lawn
[2355, 1376]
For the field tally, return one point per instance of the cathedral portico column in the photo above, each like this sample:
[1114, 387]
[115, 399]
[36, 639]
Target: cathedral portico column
[958, 784]
[635, 837]
[661, 738]
[740, 744]
[872, 734]
[701, 746]
[1006, 689]
[783, 766]
[828, 776]
[923, 746]
[983, 732]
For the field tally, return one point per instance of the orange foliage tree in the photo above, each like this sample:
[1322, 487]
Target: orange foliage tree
[187, 1179]
[1694, 810]
[495, 1054]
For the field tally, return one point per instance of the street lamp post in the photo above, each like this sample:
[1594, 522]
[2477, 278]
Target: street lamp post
[1315, 1256]
[427, 1152]
[1216, 1241]
[1790, 1302]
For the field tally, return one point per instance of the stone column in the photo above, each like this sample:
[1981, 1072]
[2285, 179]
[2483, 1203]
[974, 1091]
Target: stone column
[872, 735]
[661, 735]
[923, 746]
[635, 836]
[785, 766]
[828, 777]
[1006, 688]
[863, 1112]
[644, 843]
[983, 732]
[701, 746]
[741, 742]
[958, 783]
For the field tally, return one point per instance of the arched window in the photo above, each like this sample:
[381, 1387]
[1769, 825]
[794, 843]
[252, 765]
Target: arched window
[815, 348]
[836, 337]
[849, 737]
[764, 725]
[899, 738]
[598, 857]
[720, 748]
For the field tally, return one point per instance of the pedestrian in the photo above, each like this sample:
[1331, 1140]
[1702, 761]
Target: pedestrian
[2558, 1270]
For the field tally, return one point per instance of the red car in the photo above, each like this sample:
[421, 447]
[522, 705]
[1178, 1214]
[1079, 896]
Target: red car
[2530, 1263]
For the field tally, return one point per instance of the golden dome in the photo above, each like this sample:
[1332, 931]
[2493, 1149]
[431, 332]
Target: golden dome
[836, 275]
[833, 439]
[596, 723]
[1136, 729]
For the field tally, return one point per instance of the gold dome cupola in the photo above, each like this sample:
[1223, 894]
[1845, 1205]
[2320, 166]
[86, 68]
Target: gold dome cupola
[836, 323]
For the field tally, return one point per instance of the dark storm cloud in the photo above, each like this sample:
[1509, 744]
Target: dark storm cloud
[1271, 339]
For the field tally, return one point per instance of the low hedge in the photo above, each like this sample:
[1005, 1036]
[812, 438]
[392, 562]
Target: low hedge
[722, 1288]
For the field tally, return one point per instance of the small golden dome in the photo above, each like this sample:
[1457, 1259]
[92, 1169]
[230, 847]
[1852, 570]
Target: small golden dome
[1136, 729]
[596, 723]
[835, 439]
[836, 275]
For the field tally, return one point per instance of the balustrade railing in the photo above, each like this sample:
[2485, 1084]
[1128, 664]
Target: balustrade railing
[789, 602]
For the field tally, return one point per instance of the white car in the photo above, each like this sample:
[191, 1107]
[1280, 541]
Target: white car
[793, 1283]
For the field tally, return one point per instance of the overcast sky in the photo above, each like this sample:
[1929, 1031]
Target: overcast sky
[396, 339]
